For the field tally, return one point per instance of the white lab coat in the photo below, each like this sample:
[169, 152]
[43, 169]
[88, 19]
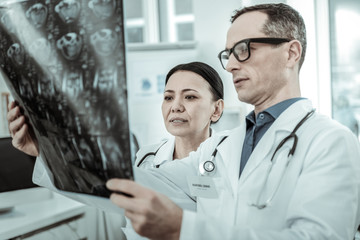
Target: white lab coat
[164, 153]
[318, 198]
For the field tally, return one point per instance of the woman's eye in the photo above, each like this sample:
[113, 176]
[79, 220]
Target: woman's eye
[167, 98]
[190, 97]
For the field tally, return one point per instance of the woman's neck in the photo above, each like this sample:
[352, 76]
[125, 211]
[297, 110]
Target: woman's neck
[185, 145]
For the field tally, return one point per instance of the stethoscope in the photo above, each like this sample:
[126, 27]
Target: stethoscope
[150, 154]
[291, 153]
[158, 165]
[207, 168]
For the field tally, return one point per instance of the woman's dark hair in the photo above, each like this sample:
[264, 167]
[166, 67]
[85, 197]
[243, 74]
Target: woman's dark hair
[206, 72]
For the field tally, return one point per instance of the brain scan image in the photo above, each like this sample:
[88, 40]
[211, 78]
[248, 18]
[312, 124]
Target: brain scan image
[37, 15]
[104, 41]
[103, 9]
[16, 53]
[68, 10]
[70, 45]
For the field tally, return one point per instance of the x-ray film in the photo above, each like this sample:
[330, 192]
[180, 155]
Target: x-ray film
[64, 63]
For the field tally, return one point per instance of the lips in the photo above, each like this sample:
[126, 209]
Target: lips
[177, 120]
[238, 81]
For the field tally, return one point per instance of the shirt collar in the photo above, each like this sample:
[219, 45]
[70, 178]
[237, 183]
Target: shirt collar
[274, 111]
[280, 107]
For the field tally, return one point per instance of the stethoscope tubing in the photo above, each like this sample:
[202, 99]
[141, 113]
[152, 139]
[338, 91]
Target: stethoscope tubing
[291, 153]
[203, 169]
[150, 154]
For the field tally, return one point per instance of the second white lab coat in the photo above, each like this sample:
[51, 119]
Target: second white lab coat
[318, 197]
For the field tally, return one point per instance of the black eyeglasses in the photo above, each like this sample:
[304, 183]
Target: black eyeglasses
[241, 49]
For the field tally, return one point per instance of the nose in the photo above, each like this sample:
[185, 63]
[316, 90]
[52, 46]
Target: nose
[232, 63]
[177, 106]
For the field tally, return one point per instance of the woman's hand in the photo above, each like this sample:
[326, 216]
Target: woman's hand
[20, 132]
[152, 214]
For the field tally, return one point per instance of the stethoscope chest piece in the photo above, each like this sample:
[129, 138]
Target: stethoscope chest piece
[207, 168]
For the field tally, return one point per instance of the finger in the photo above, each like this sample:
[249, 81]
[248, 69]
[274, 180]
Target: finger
[21, 133]
[128, 187]
[129, 204]
[16, 124]
[13, 113]
[131, 215]
[11, 105]
[19, 138]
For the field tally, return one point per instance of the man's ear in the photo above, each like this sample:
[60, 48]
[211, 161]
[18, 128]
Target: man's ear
[219, 108]
[294, 53]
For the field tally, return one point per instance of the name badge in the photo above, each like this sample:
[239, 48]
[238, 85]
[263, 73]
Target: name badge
[202, 187]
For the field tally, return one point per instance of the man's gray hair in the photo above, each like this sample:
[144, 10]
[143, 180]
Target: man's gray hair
[283, 22]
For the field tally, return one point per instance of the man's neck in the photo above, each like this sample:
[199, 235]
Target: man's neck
[263, 107]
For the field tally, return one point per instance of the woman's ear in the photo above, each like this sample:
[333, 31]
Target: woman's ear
[219, 108]
[295, 51]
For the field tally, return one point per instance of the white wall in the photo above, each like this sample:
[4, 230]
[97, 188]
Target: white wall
[322, 35]
[309, 81]
[3, 87]
[211, 25]
[3, 123]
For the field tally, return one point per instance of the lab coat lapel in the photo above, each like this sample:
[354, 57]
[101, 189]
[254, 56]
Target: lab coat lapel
[282, 126]
[230, 154]
[165, 152]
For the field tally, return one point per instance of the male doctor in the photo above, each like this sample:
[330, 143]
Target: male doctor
[289, 173]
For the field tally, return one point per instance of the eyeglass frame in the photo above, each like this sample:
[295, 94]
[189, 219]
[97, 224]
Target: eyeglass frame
[274, 41]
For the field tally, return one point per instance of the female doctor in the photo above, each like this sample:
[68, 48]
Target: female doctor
[193, 100]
